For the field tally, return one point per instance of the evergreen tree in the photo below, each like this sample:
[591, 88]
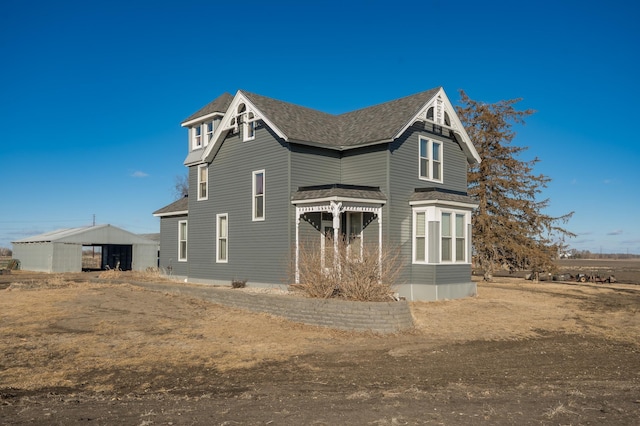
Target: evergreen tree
[510, 228]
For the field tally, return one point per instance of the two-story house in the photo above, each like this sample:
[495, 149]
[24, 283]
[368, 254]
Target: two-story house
[265, 175]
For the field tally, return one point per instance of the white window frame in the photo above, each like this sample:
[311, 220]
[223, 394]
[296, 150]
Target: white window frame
[255, 196]
[248, 127]
[196, 137]
[182, 238]
[431, 214]
[429, 161]
[453, 235]
[209, 129]
[424, 237]
[219, 238]
[203, 182]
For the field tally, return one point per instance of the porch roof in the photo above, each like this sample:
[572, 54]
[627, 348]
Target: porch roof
[338, 191]
[425, 195]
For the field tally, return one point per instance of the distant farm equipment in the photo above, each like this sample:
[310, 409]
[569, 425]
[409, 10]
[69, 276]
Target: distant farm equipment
[581, 278]
[8, 265]
[594, 278]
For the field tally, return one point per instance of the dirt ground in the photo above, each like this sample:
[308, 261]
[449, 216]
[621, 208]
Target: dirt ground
[115, 353]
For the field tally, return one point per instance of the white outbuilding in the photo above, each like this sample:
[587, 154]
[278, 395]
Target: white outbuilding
[62, 250]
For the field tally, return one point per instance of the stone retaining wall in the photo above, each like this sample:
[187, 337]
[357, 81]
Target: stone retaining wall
[377, 317]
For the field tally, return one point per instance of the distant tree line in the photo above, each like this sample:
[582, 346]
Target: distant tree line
[586, 254]
[5, 252]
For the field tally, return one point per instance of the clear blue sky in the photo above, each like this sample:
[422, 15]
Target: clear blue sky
[92, 93]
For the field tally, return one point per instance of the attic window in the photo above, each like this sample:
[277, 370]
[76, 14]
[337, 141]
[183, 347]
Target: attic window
[430, 114]
[249, 127]
[447, 121]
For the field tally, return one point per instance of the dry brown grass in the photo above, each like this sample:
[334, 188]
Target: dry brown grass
[51, 334]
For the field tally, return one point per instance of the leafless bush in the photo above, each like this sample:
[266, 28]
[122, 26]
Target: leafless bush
[366, 276]
[236, 283]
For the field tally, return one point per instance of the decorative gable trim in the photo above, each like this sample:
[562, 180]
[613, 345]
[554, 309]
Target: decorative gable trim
[241, 111]
[441, 106]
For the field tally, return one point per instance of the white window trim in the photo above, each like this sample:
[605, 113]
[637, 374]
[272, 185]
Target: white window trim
[434, 213]
[186, 241]
[414, 237]
[218, 238]
[208, 135]
[428, 215]
[206, 182]
[248, 126]
[429, 158]
[254, 218]
[453, 237]
[194, 137]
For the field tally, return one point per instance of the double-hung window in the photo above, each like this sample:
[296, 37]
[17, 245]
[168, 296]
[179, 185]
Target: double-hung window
[430, 159]
[209, 132]
[222, 241]
[420, 237]
[196, 132]
[203, 182]
[454, 242]
[258, 189]
[182, 240]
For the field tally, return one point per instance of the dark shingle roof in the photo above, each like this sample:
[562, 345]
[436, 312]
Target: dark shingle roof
[382, 121]
[179, 206]
[297, 122]
[219, 104]
[376, 123]
[425, 194]
[338, 190]
[301, 124]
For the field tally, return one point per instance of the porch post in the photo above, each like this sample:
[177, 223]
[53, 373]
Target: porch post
[336, 209]
[297, 244]
[380, 241]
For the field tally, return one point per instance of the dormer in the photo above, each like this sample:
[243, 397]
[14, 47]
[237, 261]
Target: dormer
[202, 126]
[200, 134]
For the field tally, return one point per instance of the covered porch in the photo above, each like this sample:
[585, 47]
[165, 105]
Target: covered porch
[338, 212]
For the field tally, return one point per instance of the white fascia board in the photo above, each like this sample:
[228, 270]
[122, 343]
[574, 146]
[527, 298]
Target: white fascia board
[200, 119]
[470, 206]
[456, 126]
[339, 199]
[178, 213]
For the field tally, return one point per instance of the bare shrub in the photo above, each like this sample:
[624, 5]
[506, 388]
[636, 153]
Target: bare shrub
[366, 276]
[236, 283]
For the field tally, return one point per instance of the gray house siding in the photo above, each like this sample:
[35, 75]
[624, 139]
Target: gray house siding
[313, 166]
[264, 245]
[169, 246]
[366, 166]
